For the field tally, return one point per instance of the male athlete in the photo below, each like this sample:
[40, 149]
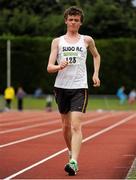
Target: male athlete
[70, 89]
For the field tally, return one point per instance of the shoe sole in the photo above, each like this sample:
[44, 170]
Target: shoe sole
[69, 170]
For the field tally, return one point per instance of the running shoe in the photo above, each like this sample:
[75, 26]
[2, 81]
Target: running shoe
[71, 168]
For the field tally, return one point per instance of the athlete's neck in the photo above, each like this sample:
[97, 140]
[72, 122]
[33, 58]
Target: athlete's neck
[72, 37]
[71, 34]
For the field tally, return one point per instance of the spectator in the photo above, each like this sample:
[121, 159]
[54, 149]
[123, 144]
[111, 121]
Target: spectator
[9, 94]
[49, 100]
[20, 95]
[38, 93]
[121, 95]
[132, 96]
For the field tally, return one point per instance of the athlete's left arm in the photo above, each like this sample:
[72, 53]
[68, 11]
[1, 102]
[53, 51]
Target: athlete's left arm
[96, 59]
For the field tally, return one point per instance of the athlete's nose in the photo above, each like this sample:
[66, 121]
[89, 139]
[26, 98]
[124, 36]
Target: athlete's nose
[73, 21]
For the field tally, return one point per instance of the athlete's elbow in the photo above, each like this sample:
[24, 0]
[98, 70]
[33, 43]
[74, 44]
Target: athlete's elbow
[97, 57]
[49, 69]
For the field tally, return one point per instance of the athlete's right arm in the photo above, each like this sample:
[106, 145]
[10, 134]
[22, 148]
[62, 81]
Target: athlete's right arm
[52, 67]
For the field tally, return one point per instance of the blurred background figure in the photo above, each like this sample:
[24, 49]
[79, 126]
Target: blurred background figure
[49, 99]
[20, 95]
[9, 95]
[38, 93]
[121, 94]
[1, 104]
[132, 96]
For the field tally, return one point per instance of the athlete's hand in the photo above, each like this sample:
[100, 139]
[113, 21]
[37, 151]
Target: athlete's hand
[63, 64]
[96, 80]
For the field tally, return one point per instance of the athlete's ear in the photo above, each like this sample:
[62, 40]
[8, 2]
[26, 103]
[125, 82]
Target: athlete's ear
[65, 21]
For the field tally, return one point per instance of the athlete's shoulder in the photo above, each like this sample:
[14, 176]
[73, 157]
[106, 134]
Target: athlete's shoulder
[56, 40]
[88, 39]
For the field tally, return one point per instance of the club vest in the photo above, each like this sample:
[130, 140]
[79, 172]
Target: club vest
[74, 76]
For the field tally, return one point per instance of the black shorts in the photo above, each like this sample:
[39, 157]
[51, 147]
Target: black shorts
[71, 99]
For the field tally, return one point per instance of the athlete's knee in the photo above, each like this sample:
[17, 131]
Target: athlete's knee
[66, 126]
[76, 127]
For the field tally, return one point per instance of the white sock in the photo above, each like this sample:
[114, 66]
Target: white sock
[69, 153]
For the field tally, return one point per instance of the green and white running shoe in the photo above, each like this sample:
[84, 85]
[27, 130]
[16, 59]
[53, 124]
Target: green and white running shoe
[71, 168]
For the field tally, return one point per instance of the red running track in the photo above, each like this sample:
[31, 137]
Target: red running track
[32, 145]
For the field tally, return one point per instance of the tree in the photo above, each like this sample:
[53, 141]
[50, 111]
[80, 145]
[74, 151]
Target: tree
[103, 18]
[106, 19]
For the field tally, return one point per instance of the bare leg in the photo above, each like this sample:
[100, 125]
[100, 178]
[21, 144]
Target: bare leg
[76, 134]
[74, 142]
[71, 123]
[66, 125]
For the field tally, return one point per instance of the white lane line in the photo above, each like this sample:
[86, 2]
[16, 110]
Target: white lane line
[63, 150]
[14, 117]
[31, 138]
[26, 120]
[36, 164]
[129, 155]
[110, 127]
[28, 127]
[30, 119]
[51, 132]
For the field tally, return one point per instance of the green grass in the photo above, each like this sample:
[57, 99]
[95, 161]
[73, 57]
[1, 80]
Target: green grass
[102, 103]
[132, 171]
[109, 104]
[132, 176]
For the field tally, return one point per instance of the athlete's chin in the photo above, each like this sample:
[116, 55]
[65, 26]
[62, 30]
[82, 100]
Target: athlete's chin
[73, 30]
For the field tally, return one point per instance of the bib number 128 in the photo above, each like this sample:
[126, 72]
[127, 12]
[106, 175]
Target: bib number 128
[71, 60]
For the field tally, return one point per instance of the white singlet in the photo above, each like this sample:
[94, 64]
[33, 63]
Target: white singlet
[73, 76]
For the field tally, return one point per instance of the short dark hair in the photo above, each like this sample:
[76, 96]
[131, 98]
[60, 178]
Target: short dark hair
[73, 10]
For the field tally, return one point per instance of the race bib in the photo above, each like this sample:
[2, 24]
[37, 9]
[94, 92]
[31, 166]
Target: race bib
[72, 60]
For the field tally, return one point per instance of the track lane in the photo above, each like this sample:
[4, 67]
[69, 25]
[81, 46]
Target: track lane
[106, 160]
[13, 116]
[53, 141]
[29, 130]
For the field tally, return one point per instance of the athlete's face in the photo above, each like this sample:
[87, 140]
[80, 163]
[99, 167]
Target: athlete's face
[73, 23]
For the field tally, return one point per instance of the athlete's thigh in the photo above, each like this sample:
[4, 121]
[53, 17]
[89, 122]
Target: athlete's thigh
[66, 119]
[79, 100]
[76, 116]
[62, 100]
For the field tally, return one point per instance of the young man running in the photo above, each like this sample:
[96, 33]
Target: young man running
[70, 89]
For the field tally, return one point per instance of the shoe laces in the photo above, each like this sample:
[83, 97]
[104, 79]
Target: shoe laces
[74, 165]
